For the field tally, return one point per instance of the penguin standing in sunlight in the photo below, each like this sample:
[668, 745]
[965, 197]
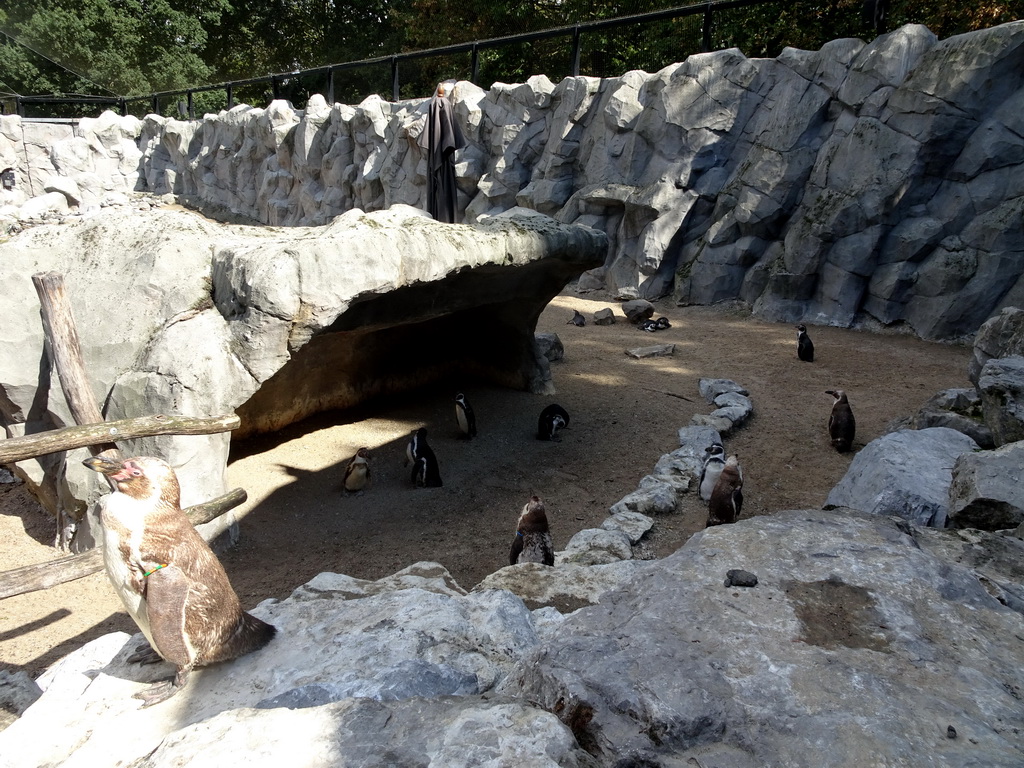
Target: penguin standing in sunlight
[841, 424]
[357, 471]
[465, 417]
[727, 497]
[714, 463]
[425, 471]
[532, 543]
[804, 346]
[552, 419]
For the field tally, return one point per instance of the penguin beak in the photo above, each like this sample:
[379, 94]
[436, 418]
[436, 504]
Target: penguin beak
[104, 465]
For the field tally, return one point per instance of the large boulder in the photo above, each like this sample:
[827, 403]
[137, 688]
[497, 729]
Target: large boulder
[861, 635]
[856, 641]
[181, 315]
[1000, 336]
[906, 474]
[987, 491]
[1001, 387]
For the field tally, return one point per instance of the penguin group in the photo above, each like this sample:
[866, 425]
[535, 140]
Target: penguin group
[652, 325]
[842, 426]
[721, 486]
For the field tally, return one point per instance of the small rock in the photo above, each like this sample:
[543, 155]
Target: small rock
[604, 317]
[637, 310]
[550, 346]
[712, 388]
[740, 578]
[657, 350]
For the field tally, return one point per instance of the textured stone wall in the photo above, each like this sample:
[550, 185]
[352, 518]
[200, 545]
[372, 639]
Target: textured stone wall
[862, 182]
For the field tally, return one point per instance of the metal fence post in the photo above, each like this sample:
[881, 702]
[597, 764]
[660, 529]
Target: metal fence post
[191, 111]
[330, 85]
[576, 51]
[394, 79]
[706, 31]
[475, 64]
[156, 104]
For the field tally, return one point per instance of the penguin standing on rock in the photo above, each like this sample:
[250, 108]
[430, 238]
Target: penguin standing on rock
[532, 543]
[357, 472]
[465, 416]
[172, 584]
[425, 470]
[727, 497]
[552, 419]
[577, 319]
[714, 463]
[841, 424]
[804, 346]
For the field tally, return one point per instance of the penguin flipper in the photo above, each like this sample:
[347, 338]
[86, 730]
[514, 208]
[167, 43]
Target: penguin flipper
[737, 501]
[517, 549]
[167, 593]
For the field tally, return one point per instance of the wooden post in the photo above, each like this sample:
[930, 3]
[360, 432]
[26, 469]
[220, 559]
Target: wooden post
[66, 352]
[32, 578]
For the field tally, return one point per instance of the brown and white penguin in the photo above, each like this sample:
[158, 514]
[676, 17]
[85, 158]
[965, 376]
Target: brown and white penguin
[357, 472]
[172, 584]
[727, 497]
[841, 424]
[532, 543]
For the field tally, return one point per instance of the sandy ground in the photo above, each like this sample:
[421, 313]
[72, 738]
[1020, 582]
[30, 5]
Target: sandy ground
[624, 415]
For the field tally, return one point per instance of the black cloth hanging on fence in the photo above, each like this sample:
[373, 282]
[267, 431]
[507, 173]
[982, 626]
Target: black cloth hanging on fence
[440, 138]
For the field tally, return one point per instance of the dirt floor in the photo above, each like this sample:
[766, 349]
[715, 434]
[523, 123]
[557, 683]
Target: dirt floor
[625, 414]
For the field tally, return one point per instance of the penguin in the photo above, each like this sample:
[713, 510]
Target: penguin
[662, 323]
[577, 319]
[552, 418]
[841, 424]
[465, 416]
[425, 470]
[714, 462]
[532, 542]
[804, 347]
[648, 325]
[357, 472]
[169, 580]
[727, 497]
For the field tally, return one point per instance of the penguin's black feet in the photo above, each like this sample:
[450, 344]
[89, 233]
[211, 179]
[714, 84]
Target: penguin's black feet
[145, 654]
[163, 691]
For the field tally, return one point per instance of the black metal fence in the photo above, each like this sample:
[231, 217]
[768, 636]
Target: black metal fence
[603, 48]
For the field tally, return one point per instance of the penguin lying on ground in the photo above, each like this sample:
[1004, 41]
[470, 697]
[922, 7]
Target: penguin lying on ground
[425, 470]
[464, 416]
[172, 584]
[804, 347]
[552, 419]
[841, 424]
[577, 319]
[357, 472]
[727, 497]
[714, 462]
[532, 543]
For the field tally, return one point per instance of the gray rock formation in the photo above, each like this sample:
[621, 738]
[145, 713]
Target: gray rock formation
[852, 644]
[864, 636]
[733, 406]
[904, 474]
[1000, 336]
[180, 315]
[820, 186]
[987, 491]
[958, 409]
[1001, 387]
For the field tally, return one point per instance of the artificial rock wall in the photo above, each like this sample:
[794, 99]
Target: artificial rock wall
[862, 182]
